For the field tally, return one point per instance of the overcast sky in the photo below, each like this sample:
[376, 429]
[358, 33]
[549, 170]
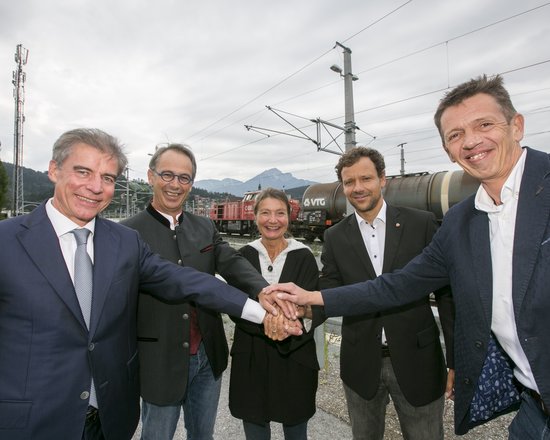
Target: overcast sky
[151, 72]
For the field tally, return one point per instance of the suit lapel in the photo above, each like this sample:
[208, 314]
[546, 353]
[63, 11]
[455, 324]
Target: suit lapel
[106, 251]
[42, 246]
[356, 243]
[531, 222]
[394, 230]
[481, 259]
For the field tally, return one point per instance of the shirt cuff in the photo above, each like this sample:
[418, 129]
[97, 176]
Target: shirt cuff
[253, 312]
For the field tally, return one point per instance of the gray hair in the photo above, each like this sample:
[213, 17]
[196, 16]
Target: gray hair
[180, 148]
[272, 193]
[93, 137]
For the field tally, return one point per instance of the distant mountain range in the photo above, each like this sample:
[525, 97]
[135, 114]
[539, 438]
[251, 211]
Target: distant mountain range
[269, 178]
[38, 187]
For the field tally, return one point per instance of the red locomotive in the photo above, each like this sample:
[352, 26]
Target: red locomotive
[238, 217]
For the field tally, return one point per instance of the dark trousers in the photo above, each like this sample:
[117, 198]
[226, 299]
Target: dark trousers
[254, 431]
[531, 421]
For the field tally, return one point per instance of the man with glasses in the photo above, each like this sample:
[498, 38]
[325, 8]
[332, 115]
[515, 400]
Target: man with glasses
[182, 348]
[68, 302]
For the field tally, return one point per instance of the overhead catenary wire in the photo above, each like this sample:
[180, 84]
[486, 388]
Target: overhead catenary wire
[363, 110]
[285, 79]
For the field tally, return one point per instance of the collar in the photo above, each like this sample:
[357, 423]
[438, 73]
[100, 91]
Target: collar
[165, 219]
[62, 224]
[381, 216]
[292, 245]
[510, 189]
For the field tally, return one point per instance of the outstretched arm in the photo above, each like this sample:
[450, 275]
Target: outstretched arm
[291, 292]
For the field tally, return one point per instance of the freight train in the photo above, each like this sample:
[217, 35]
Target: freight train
[324, 204]
[238, 217]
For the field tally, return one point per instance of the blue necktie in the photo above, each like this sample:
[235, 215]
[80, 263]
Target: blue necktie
[83, 285]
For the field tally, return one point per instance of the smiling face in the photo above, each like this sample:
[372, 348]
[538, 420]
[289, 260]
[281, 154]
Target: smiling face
[363, 188]
[168, 197]
[272, 219]
[84, 183]
[477, 136]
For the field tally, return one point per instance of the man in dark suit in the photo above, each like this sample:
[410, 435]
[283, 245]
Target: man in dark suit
[494, 250]
[396, 352]
[67, 373]
[182, 348]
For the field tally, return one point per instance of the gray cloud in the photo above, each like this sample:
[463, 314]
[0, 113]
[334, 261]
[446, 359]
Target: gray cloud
[152, 72]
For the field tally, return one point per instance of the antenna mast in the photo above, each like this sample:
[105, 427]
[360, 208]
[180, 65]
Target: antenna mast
[18, 81]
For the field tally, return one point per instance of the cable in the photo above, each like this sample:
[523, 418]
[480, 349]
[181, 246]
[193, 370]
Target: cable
[416, 52]
[377, 21]
[261, 94]
[291, 75]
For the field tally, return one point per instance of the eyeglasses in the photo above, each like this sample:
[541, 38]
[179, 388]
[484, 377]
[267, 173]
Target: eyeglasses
[168, 176]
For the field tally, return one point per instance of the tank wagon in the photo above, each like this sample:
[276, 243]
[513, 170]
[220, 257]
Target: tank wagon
[324, 204]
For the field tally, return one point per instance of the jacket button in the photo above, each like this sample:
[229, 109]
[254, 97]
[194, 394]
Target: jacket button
[478, 344]
[84, 395]
[186, 345]
[467, 381]
[180, 262]
[174, 237]
[91, 346]
[185, 316]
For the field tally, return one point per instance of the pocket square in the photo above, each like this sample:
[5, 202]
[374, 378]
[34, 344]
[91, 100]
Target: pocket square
[207, 248]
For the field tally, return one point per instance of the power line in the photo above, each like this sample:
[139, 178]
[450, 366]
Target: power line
[432, 46]
[291, 75]
[261, 94]
[376, 21]
[399, 101]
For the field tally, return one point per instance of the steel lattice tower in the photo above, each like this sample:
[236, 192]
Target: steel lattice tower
[18, 81]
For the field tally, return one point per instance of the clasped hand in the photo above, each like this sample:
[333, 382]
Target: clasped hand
[282, 319]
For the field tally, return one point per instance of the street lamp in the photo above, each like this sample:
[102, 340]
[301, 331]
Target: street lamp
[349, 124]
[336, 68]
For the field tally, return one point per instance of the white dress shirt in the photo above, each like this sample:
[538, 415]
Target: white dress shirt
[374, 237]
[67, 241]
[502, 222]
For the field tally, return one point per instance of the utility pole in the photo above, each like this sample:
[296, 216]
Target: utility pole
[127, 192]
[349, 77]
[18, 81]
[349, 124]
[402, 158]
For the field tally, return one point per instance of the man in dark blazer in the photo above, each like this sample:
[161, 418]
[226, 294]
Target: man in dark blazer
[397, 352]
[494, 250]
[182, 348]
[61, 378]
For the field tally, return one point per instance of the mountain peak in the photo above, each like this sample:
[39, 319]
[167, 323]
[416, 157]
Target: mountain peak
[272, 177]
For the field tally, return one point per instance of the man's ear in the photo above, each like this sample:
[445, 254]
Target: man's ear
[52, 171]
[150, 177]
[518, 126]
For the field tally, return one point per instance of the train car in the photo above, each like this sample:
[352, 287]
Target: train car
[324, 204]
[238, 217]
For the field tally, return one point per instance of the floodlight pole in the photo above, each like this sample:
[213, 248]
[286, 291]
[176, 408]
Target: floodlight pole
[348, 76]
